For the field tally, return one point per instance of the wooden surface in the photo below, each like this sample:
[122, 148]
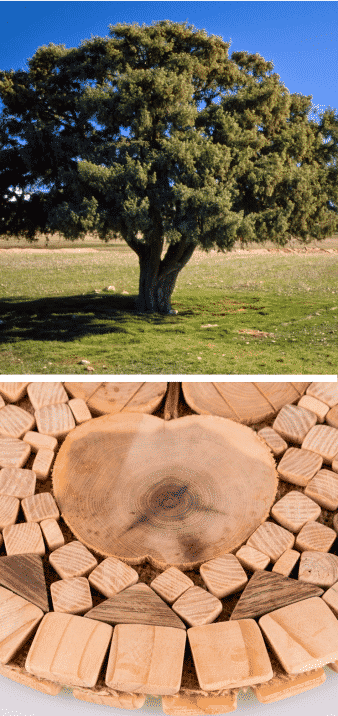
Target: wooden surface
[18, 619]
[197, 606]
[177, 492]
[115, 397]
[24, 575]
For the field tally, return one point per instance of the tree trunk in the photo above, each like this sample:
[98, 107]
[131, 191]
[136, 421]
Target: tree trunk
[157, 282]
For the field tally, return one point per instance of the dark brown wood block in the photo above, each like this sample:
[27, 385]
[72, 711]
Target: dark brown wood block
[136, 605]
[23, 574]
[267, 591]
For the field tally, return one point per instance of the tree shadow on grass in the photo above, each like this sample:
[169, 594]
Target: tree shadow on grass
[68, 318]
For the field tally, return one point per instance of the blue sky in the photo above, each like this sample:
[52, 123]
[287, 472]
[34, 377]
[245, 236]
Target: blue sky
[300, 38]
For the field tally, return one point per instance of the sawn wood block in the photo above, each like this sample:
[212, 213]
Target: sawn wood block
[17, 482]
[18, 618]
[318, 568]
[293, 423]
[112, 576]
[46, 393]
[15, 422]
[223, 575]
[295, 509]
[271, 539]
[323, 440]
[197, 606]
[24, 575]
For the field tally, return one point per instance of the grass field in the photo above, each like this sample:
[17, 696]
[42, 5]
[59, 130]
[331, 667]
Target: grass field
[238, 313]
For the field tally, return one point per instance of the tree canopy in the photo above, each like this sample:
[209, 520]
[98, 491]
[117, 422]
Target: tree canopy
[154, 134]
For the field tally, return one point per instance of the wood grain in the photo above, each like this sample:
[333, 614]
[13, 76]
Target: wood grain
[282, 687]
[327, 392]
[316, 406]
[15, 422]
[24, 538]
[252, 558]
[274, 441]
[107, 697]
[12, 392]
[46, 393]
[295, 509]
[24, 575]
[112, 576]
[267, 591]
[80, 410]
[315, 537]
[111, 398]
[323, 440]
[72, 560]
[52, 534]
[223, 575]
[55, 420]
[71, 596]
[171, 584]
[318, 568]
[40, 507]
[197, 606]
[82, 390]
[9, 509]
[293, 423]
[13, 452]
[18, 618]
[271, 539]
[38, 441]
[298, 466]
[323, 488]
[42, 463]
[183, 704]
[286, 562]
[17, 482]
[332, 417]
[137, 604]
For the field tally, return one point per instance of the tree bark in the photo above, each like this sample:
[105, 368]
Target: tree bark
[158, 278]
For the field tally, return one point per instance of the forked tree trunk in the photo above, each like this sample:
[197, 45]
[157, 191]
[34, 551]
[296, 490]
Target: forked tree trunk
[158, 278]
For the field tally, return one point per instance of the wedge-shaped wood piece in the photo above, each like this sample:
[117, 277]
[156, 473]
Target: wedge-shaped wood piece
[37, 441]
[267, 590]
[40, 507]
[12, 392]
[112, 576]
[171, 584]
[280, 394]
[323, 488]
[18, 618]
[318, 568]
[332, 417]
[52, 534]
[229, 655]
[298, 466]
[271, 539]
[303, 635]
[323, 440]
[252, 558]
[315, 537]
[274, 441]
[293, 423]
[176, 492]
[183, 704]
[17, 482]
[24, 575]
[9, 508]
[42, 463]
[197, 606]
[20, 675]
[14, 422]
[223, 575]
[247, 401]
[80, 410]
[327, 392]
[72, 596]
[106, 697]
[46, 393]
[24, 538]
[282, 687]
[112, 398]
[331, 598]
[286, 562]
[56, 420]
[73, 560]
[81, 390]
[315, 406]
[146, 659]
[294, 510]
[205, 399]
[137, 604]
[68, 649]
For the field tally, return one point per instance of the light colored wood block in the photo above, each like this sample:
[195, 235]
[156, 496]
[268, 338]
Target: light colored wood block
[17, 482]
[14, 422]
[40, 507]
[223, 575]
[24, 538]
[323, 440]
[332, 417]
[82, 390]
[252, 558]
[56, 420]
[303, 635]
[9, 508]
[112, 576]
[286, 562]
[197, 606]
[2, 402]
[318, 568]
[293, 423]
[323, 488]
[335, 522]
[18, 618]
[12, 392]
[42, 463]
[105, 697]
[298, 466]
[80, 410]
[294, 510]
[327, 392]
[146, 659]
[315, 406]
[274, 441]
[331, 598]
[335, 463]
[72, 596]
[13, 452]
[46, 393]
[52, 534]
[171, 584]
[183, 704]
[315, 537]
[68, 649]
[72, 560]
[271, 539]
[229, 655]
[17, 673]
[38, 441]
[283, 686]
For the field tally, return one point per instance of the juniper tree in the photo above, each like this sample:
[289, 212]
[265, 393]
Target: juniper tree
[154, 134]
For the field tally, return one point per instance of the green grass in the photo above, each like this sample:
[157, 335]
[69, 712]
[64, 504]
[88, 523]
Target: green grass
[274, 314]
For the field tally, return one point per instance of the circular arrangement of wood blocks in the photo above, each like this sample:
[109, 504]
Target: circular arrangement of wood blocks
[200, 514]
